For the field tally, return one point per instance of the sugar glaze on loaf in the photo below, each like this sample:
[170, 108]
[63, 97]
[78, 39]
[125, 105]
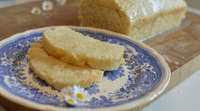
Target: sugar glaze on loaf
[136, 18]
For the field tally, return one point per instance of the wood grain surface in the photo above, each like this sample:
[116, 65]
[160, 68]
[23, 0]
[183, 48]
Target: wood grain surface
[180, 44]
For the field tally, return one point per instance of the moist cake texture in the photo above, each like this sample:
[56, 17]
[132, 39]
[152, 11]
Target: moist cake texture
[60, 74]
[74, 48]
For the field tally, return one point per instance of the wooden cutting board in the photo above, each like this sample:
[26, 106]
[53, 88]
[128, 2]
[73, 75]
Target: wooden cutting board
[181, 45]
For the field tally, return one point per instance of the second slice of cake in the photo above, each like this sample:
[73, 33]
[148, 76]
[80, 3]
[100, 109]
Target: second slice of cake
[58, 73]
[74, 48]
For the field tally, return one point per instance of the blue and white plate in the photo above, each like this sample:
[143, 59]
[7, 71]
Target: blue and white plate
[143, 77]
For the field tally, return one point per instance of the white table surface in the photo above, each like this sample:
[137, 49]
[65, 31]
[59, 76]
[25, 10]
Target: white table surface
[183, 97]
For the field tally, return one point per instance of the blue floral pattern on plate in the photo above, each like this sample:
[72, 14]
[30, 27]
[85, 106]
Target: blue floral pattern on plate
[140, 75]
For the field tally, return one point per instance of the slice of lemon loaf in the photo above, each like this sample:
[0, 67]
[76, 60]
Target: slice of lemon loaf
[74, 48]
[136, 18]
[58, 73]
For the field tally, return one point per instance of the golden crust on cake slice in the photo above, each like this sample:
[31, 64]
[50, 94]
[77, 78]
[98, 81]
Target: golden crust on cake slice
[60, 74]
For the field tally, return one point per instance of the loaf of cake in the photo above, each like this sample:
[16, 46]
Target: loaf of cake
[60, 74]
[74, 48]
[136, 18]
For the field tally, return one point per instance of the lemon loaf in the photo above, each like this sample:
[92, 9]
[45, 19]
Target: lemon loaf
[136, 18]
[74, 48]
[58, 73]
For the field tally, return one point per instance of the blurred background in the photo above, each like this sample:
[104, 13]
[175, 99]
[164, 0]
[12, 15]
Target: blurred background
[4, 3]
[193, 3]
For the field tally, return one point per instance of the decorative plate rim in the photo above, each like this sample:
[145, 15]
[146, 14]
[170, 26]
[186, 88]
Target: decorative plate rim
[153, 94]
